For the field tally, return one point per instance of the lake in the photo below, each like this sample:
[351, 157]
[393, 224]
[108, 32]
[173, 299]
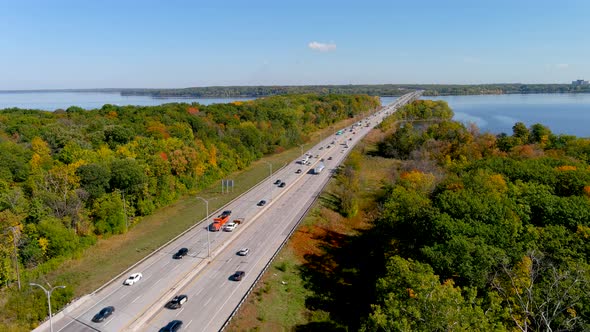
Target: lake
[562, 113]
[52, 100]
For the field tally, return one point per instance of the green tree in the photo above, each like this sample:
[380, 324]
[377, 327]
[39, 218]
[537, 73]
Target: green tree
[109, 215]
[94, 178]
[412, 298]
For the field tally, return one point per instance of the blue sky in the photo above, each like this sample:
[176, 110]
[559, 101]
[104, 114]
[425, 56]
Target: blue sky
[166, 44]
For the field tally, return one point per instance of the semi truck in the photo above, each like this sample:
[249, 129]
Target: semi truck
[220, 221]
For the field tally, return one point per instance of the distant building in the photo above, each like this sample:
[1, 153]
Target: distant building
[579, 82]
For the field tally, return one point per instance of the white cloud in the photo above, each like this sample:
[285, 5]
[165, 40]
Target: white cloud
[562, 66]
[322, 47]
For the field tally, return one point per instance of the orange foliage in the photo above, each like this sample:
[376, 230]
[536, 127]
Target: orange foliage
[587, 190]
[112, 114]
[192, 110]
[566, 168]
[158, 128]
[238, 103]
[417, 180]
[163, 155]
[455, 186]
[527, 151]
[213, 155]
[497, 181]
[411, 293]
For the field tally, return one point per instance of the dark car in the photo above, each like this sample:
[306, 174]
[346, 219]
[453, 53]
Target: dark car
[282, 184]
[225, 214]
[261, 203]
[278, 181]
[103, 314]
[181, 253]
[329, 158]
[173, 326]
[177, 302]
[298, 171]
[239, 275]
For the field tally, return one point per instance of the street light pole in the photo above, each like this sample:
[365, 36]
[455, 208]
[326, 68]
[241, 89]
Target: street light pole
[48, 293]
[207, 225]
[269, 177]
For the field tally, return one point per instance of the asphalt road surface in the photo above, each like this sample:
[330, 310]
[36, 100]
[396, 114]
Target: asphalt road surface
[212, 295]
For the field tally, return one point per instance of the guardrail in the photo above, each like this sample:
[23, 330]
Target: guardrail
[81, 300]
[243, 299]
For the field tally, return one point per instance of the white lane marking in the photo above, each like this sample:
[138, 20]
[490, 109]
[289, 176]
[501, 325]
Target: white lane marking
[175, 267]
[199, 292]
[204, 305]
[107, 323]
[158, 281]
[124, 295]
[137, 298]
[189, 323]
[95, 304]
[179, 311]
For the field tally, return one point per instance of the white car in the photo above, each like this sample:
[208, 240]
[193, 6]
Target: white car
[230, 226]
[243, 251]
[133, 279]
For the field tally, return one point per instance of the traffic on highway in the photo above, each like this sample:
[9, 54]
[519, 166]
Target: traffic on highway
[196, 282]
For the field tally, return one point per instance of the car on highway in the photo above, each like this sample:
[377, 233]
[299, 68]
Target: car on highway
[230, 226]
[278, 181]
[133, 279]
[103, 314]
[243, 252]
[261, 203]
[177, 302]
[180, 253]
[282, 184]
[329, 158]
[298, 171]
[225, 214]
[173, 326]
[238, 276]
[321, 147]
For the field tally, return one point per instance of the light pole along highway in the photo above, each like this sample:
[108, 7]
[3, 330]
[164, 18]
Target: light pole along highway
[269, 177]
[206, 224]
[48, 293]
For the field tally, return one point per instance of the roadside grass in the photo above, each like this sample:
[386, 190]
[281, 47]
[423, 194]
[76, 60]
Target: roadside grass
[111, 256]
[325, 258]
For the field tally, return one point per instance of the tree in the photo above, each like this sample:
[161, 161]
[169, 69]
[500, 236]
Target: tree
[109, 215]
[543, 297]
[94, 178]
[520, 132]
[412, 298]
[127, 174]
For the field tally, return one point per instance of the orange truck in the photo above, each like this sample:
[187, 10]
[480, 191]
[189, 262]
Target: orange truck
[220, 221]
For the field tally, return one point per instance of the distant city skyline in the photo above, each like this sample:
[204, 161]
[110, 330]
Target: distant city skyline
[176, 44]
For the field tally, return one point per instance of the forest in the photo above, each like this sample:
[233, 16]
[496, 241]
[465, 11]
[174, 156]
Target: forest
[372, 90]
[480, 232]
[72, 176]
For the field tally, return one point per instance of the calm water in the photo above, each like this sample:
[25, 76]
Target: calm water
[563, 113]
[50, 101]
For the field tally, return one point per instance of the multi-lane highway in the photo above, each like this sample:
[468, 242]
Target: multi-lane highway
[212, 295]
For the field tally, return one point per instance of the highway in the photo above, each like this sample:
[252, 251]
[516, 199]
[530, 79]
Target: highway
[212, 295]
